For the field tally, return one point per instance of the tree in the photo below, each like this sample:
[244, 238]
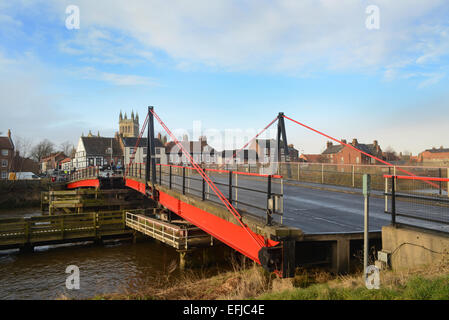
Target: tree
[66, 147]
[390, 154]
[42, 149]
[23, 148]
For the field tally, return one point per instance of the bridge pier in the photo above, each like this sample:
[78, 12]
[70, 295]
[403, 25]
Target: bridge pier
[341, 256]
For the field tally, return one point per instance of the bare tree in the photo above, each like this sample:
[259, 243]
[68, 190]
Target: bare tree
[42, 149]
[66, 147]
[390, 154]
[23, 148]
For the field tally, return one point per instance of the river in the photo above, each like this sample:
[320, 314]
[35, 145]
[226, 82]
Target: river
[109, 268]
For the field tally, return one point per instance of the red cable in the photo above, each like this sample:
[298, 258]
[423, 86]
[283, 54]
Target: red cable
[237, 152]
[225, 201]
[352, 147]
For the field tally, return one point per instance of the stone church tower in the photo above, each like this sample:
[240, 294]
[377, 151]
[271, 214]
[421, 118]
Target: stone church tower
[129, 127]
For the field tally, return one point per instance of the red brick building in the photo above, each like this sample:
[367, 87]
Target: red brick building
[434, 155]
[341, 154]
[6, 155]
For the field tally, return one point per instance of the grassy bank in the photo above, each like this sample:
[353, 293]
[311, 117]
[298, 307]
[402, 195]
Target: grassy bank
[431, 282]
[21, 194]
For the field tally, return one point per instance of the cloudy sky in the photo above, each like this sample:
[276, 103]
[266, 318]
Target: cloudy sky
[233, 65]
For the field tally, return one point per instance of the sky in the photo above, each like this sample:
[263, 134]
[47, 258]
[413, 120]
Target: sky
[226, 68]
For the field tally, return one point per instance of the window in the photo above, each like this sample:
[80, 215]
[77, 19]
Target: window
[158, 150]
[4, 174]
[91, 161]
[145, 150]
[357, 160]
[4, 163]
[131, 151]
[5, 152]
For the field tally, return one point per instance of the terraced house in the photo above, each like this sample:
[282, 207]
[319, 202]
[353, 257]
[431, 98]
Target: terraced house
[6, 155]
[341, 154]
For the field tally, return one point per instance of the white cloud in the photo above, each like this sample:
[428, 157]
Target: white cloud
[113, 78]
[283, 36]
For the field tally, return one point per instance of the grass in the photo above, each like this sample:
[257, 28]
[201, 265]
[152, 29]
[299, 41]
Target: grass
[252, 282]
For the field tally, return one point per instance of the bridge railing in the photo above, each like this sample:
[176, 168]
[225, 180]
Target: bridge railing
[252, 193]
[417, 201]
[86, 173]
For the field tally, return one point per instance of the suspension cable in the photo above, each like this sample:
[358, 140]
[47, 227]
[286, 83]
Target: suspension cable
[211, 184]
[352, 147]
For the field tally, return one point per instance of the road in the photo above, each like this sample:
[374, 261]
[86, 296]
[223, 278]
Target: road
[314, 210]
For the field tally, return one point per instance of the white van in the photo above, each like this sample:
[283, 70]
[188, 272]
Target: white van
[25, 176]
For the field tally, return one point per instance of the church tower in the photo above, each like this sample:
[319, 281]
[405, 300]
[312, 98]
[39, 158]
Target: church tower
[129, 128]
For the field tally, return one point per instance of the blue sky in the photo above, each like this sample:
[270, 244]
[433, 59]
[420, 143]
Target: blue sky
[230, 64]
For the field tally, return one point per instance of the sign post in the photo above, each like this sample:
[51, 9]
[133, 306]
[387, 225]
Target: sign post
[366, 194]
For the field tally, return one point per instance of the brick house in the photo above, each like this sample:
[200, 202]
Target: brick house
[435, 155]
[52, 162]
[6, 155]
[341, 154]
[312, 158]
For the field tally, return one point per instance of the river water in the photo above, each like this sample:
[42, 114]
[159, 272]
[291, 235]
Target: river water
[109, 268]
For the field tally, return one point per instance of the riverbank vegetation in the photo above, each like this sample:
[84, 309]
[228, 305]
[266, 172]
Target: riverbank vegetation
[22, 193]
[430, 282]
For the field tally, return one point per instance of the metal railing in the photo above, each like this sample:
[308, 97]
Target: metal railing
[417, 201]
[248, 192]
[173, 235]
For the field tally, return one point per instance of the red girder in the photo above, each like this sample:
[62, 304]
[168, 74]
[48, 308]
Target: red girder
[84, 183]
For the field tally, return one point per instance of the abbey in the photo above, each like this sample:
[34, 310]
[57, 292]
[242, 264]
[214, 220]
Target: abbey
[129, 128]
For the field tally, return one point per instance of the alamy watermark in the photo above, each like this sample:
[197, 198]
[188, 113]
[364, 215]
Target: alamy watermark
[372, 22]
[372, 277]
[72, 20]
[73, 280]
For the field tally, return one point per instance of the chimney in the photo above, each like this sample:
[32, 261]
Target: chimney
[9, 133]
[441, 147]
[376, 143]
[354, 142]
[159, 136]
[329, 144]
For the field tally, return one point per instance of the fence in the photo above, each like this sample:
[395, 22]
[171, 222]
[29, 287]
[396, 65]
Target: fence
[348, 175]
[418, 201]
[247, 191]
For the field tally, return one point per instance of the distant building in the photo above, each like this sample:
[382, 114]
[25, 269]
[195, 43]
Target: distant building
[199, 150]
[341, 154]
[98, 151]
[66, 164]
[243, 157]
[435, 156]
[140, 153]
[129, 128]
[312, 158]
[6, 155]
[21, 164]
[52, 162]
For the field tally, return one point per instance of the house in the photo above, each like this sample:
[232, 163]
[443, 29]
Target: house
[66, 164]
[140, 154]
[98, 151]
[342, 154]
[266, 150]
[22, 164]
[6, 155]
[435, 155]
[243, 157]
[52, 162]
[199, 150]
[312, 158]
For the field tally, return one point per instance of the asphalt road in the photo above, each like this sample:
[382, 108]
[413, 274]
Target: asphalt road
[313, 210]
